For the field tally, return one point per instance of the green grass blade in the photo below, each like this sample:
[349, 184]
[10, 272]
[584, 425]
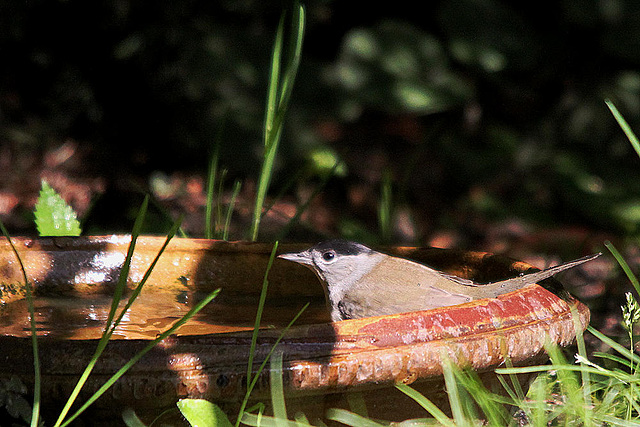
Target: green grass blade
[271, 137]
[274, 78]
[211, 183]
[614, 345]
[35, 413]
[227, 222]
[209, 223]
[147, 273]
[357, 403]
[586, 378]
[124, 271]
[253, 379]
[453, 392]
[538, 409]
[625, 267]
[385, 207]
[217, 226]
[349, 418]
[277, 389]
[277, 102]
[260, 420]
[294, 54]
[157, 205]
[258, 319]
[624, 126]
[421, 400]
[288, 185]
[266, 360]
[622, 361]
[618, 375]
[491, 405]
[117, 295]
[517, 387]
[301, 419]
[199, 306]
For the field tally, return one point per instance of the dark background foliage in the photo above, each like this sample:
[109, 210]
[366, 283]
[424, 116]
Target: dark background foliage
[487, 117]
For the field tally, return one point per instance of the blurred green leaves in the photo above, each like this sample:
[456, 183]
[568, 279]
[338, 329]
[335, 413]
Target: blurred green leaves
[397, 68]
[489, 35]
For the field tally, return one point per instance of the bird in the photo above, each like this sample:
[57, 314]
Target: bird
[361, 282]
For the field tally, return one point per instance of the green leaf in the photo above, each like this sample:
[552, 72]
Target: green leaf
[202, 413]
[54, 217]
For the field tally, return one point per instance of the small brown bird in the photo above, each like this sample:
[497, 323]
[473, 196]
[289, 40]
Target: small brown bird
[360, 282]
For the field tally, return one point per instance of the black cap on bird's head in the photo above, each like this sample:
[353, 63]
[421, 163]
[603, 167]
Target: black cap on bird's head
[328, 250]
[341, 247]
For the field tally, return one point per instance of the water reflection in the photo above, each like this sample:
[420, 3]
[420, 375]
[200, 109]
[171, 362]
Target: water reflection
[84, 316]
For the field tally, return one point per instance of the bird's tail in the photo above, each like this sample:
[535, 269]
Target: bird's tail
[492, 290]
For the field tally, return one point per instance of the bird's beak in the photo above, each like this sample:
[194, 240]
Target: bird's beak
[303, 257]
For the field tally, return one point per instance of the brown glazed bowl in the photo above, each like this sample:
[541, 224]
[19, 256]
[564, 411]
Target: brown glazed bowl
[208, 356]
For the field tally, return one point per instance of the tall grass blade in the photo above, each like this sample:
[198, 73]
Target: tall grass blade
[217, 227]
[586, 377]
[427, 404]
[301, 419]
[617, 359]
[277, 389]
[537, 410]
[146, 275]
[614, 345]
[258, 319]
[624, 126]
[278, 98]
[211, 184]
[570, 388]
[385, 207]
[452, 389]
[357, 404]
[625, 267]
[117, 295]
[253, 379]
[491, 405]
[35, 413]
[260, 420]
[264, 363]
[271, 136]
[212, 172]
[124, 271]
[515, 383]
[227, 222]
[349, 418]
[199, 306]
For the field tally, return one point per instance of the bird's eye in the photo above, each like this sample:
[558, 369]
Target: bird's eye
[328, 256]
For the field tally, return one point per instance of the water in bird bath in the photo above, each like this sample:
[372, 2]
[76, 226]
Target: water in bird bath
[84, 316]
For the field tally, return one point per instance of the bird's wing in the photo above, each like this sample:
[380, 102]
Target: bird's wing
[395, 287]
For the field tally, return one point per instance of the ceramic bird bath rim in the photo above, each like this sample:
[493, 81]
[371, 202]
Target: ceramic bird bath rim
[319, 356]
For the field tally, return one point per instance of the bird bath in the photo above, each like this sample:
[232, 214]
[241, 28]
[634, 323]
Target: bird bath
[207, 357]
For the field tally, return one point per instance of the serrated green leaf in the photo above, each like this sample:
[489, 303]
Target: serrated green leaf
[202, 413]
[53, 216]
